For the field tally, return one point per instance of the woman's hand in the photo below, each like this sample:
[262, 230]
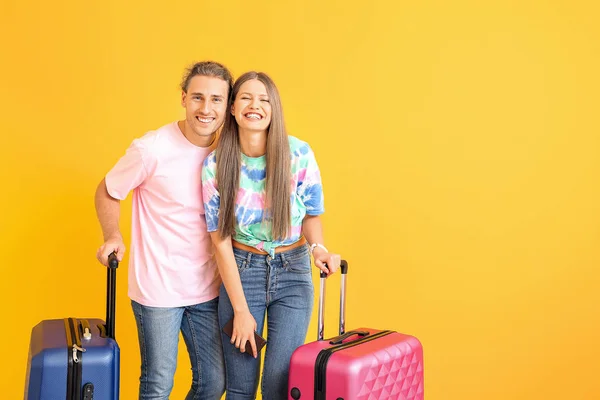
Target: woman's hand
[326, 262]
[244, 326]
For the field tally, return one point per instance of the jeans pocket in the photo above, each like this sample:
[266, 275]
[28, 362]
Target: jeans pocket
[298, 265]
[242, 263]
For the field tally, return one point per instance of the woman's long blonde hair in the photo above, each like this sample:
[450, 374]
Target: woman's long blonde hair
[278, 204]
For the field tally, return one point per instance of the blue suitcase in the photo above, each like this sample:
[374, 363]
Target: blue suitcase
[76, 359]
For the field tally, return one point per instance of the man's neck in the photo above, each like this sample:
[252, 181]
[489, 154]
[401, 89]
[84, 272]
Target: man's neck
[196, 140]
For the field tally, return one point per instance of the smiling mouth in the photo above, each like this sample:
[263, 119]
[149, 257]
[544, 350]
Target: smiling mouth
[255, 116]
[205, 120]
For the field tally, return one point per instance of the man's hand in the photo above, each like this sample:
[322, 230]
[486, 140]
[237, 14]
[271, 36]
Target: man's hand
[115, 244]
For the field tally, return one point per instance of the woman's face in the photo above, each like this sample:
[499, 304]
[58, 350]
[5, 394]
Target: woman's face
[251, 107]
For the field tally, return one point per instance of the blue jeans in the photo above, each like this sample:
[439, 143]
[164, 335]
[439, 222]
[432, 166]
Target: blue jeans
[281, 288]
[158, 332]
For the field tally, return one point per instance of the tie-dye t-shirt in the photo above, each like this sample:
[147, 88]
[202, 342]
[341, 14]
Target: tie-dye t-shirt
[250, 229]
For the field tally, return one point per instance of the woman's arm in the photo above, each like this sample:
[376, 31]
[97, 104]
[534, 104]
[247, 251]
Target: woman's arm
[312, 229]
[244, 323]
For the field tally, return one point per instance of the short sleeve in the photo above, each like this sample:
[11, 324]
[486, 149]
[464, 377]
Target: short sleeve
[210, 193]
[310, 189]
[129, 172]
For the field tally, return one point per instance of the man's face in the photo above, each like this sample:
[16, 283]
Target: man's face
[205, 104]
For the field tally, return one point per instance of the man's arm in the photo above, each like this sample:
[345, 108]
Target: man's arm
[108, 211]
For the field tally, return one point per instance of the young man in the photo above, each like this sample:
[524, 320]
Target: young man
[173, 278]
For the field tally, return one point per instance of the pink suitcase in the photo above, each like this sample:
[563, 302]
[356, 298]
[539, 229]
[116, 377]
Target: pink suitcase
[362, 364]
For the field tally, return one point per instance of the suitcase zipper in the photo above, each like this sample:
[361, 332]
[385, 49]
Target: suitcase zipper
[74, 351]
[70, 364]
[323, 358]
[77, 359]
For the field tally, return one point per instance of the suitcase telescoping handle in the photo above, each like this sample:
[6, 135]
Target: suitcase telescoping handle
[342, 327]
[111, 290]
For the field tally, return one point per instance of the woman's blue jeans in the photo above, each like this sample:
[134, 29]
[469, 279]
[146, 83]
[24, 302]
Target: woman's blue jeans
[280, 288]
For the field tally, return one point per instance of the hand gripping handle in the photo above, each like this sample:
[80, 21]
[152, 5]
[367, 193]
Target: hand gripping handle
[111, 290]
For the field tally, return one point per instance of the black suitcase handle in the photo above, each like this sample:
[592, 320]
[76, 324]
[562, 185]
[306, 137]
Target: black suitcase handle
[342, 326]
[111, 291]
[341, 338]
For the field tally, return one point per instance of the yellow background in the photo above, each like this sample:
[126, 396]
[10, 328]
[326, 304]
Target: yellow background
[459, 148]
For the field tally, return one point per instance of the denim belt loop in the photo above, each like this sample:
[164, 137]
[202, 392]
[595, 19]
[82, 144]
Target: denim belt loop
[248, 257]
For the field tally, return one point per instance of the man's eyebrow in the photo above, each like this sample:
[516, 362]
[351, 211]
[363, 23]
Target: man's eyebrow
[202, 94]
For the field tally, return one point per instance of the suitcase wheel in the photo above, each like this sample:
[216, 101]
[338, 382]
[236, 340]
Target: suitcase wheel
[295, 393]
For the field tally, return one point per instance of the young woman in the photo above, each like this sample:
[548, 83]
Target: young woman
[262, 195]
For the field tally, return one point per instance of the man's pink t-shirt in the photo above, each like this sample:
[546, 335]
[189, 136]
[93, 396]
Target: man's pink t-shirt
[171, 262]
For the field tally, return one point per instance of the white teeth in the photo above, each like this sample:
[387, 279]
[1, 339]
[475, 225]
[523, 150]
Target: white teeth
[253, 116]
[205, 120]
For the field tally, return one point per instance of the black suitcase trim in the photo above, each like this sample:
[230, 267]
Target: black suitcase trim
[325, 354]
[74, 369]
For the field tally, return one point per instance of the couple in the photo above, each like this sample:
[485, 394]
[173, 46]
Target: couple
[253, 195]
